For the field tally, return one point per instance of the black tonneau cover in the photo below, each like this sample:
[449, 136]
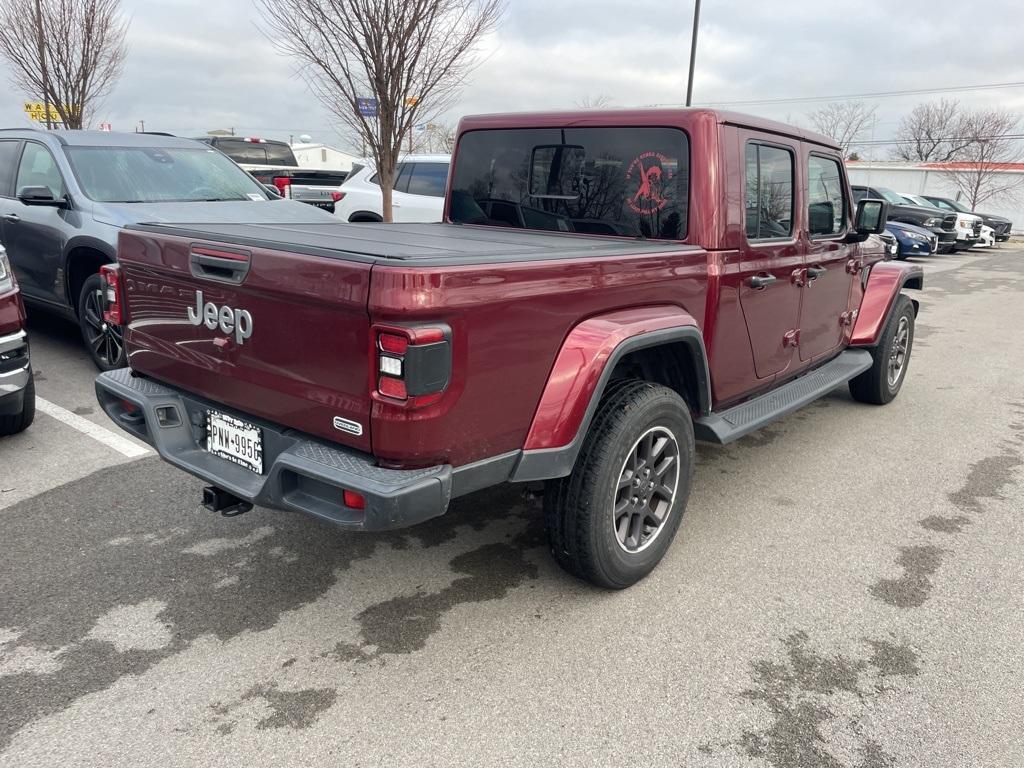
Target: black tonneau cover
[436, 244]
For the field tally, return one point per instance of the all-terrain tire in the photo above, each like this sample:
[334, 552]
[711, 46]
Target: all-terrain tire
[579, 510]
[875, 385]
[19, 422]
[104, 343]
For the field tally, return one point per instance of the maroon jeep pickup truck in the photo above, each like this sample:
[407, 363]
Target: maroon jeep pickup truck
[17, 391]
[605, 288]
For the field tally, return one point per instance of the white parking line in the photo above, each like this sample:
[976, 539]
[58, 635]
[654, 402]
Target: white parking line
[100, 434]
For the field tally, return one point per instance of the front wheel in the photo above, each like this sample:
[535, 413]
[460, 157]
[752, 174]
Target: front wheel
[611, 521]
[103, 341]
[880, 383]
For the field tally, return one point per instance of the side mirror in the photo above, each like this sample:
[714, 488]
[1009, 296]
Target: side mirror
[40, 196]
[869, 219]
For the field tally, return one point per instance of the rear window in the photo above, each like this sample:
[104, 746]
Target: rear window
[257, 153]
[630, 182]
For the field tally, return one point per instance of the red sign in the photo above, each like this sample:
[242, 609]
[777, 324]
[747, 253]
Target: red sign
[105, 126]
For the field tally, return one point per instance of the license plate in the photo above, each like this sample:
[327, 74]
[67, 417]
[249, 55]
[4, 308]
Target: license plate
[235, 440]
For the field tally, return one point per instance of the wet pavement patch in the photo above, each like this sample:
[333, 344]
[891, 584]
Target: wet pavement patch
[809, 694]
[403, 624]
[919, 564]
[986, 480]
[134, 571]
[941, 524]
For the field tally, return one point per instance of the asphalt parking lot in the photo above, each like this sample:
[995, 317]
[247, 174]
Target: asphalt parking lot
[845, 590]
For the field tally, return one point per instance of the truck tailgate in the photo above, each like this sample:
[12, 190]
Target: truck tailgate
[281, 336]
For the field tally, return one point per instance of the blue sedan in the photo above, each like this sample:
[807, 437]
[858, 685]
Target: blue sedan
[911, 240]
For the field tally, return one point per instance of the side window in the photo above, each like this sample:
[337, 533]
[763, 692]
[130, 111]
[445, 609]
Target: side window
[401, 177]
[428, 179]
[39, 169]
[8, 159]
[826, 204]
[769, 192]
[859, 193]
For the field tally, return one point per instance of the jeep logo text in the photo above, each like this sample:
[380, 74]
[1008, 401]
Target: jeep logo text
[229, 320]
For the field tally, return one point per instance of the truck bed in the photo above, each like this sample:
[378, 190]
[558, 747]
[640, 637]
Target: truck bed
[416, 244]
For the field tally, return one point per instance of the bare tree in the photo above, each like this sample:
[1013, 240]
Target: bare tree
[436, 138]
[67, 53]
[979, 171]
[410, 56]
[844, 121]
[600, 101]
[936, 132]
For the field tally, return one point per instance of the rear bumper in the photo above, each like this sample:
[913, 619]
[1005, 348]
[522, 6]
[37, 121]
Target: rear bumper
[15, 371]
[300, 473]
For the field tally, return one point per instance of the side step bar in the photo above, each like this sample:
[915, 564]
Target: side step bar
[732, 424]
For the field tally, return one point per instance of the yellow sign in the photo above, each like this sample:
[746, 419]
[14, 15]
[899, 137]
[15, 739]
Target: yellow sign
[36, 110]
[412, 101]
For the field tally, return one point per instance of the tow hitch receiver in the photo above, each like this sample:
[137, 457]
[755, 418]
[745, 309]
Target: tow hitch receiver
[229, 505]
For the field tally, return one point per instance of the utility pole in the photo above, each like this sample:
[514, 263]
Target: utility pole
[41, 44]
[693, 51]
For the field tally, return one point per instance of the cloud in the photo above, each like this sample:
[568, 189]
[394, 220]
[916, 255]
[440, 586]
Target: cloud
[196, 65]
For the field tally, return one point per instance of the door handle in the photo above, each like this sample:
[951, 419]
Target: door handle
[813, 273]
[762, 281]
[11, 217]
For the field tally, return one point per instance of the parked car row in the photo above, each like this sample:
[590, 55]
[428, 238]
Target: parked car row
[924, 224]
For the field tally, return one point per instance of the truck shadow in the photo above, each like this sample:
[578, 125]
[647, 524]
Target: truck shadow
[107, 576]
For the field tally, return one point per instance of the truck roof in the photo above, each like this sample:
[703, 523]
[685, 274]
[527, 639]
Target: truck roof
[413, 244]
[681, 117]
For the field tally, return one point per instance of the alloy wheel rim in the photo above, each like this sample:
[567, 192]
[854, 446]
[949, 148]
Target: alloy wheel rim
[105, 340]
[898, 353]
[646, 489]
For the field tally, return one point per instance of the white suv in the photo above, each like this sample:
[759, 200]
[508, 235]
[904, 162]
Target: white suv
[418, 194]
[968, 225]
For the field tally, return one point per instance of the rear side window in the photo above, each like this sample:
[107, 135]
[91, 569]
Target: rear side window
[769, 192]
[8, 159]
[401, 177]
[39, 169]
[428, 179]
[628, 182]
[826, 205]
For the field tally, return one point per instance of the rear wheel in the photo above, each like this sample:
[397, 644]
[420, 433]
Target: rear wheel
[103, 341]
[611, 521]
[14, 423]
[882, 381]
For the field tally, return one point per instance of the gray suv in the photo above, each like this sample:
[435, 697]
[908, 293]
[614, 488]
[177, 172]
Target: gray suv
[64, 195]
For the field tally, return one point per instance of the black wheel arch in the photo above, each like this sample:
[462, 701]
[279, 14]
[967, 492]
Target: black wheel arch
[364, 217]
[674, 357]
[83, 257]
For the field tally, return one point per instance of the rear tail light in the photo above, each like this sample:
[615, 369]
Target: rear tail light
[113, 306]
[412, 365]
[337, 196]
[284, 185]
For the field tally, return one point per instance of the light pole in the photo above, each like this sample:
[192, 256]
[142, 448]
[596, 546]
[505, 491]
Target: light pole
[693, 51]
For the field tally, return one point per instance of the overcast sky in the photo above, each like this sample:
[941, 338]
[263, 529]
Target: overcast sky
[196, 65]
